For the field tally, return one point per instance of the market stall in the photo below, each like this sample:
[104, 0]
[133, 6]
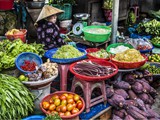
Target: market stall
[114, 81]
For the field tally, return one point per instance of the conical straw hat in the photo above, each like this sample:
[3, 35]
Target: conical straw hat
[48, 11]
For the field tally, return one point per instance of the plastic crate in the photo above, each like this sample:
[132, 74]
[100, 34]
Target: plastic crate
[67, 11]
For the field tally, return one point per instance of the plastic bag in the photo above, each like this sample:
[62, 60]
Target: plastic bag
[140, 44]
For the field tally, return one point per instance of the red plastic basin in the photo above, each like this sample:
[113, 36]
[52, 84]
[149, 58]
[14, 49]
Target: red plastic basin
[90, 50]
[90, 78]
[47, 98]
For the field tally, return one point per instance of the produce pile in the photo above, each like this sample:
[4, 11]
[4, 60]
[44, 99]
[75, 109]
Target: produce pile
[16, 101]
[14, 32]
[151, 68]
[100, 54]
[66, 52]
[130, 55]
[152, 27]
[28, 65]
[89, 68]
[46, 70]
[66, 104]
[154, 58]
[155, 40]
[133, 97]
[10, 50]
[119, 49]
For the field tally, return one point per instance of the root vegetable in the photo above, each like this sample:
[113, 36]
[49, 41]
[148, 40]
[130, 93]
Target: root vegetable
[139, 111]
[120, 113]
[130, 102]
[137, 87]
[135, 114]
[109, 92]
[144, 97]
[118, 100]
[146, 86]
[132, 95]
[141, 104]
[121, 92]
[115, 117]
[122, 85]
[128, 117]
[148, 106]
[153, 92]
[129, 78]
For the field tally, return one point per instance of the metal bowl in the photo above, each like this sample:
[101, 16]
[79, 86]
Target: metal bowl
[81, 16]
[35, 5]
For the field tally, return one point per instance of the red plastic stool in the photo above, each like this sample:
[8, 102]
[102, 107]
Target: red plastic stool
[88, 88]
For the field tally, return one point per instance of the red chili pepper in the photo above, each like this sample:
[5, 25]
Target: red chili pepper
[28, 65]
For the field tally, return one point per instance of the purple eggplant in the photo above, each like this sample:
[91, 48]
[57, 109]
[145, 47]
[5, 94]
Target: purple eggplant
[118, 100]
[128, 117]
[115, 117]
[130, 78]
[141, 104]
[109, 92]
[144, 97]
[120, 113]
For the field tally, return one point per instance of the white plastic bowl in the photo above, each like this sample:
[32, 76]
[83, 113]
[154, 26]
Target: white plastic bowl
[65, 23]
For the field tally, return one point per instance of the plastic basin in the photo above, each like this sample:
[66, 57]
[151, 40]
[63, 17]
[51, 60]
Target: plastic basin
[21, 36]
[114, 45]
[27, 56]
[90, 78]
[90, 50]
[98, 37]
[129, 65]
[47, 98]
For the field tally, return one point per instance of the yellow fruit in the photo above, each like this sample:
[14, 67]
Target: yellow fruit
[22, 77]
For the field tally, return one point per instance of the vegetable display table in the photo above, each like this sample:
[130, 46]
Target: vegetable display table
[121, 72]
[63, 69]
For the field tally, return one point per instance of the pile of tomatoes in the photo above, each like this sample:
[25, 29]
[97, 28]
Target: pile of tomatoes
[65, 104]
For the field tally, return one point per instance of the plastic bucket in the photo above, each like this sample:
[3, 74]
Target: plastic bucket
[6, 4]
[40, 93]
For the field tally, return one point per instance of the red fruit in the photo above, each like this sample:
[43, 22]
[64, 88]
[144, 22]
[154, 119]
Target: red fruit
[79, 105]
[62, 97]
[75, 110]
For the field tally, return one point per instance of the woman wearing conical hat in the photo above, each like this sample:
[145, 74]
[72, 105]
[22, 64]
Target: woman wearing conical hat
[47, 30]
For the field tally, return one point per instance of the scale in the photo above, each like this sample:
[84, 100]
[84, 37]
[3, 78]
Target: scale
[81, 22]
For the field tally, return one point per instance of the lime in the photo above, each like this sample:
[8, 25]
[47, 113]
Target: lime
[26, 79]
[22, 77]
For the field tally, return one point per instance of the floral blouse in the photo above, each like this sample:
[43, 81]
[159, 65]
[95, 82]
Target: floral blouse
[48, 34]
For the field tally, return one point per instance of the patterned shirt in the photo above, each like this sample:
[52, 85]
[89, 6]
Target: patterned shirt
[48, 34]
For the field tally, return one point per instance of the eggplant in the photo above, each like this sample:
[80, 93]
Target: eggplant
[129, 103]
[148, 106]
[152, 113]
[153, 92]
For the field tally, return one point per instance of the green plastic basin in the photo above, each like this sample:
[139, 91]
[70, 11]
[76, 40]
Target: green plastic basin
[114, 45]
[96, 37]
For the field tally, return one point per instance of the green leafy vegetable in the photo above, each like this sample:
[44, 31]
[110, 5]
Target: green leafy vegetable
[10, 50]
[100, 54]
[53, 117]
[15, 99]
